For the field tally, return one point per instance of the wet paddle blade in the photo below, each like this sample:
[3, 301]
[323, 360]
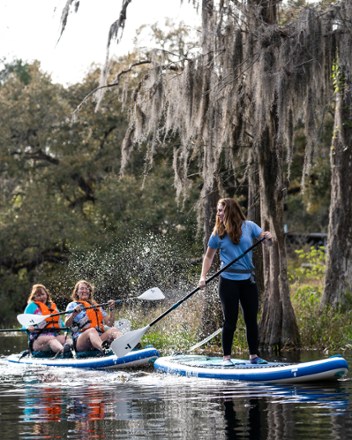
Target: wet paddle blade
[152, 294]
[123, 345]
[27, 319]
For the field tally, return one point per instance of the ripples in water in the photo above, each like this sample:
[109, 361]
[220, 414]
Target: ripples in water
[142, 404]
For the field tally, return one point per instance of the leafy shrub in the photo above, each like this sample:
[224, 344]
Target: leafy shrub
[322, 329]
[312, 264]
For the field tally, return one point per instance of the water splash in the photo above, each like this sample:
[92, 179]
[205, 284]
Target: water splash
[129, 268]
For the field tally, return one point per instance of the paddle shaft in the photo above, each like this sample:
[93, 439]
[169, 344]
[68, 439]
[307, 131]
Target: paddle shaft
[7, 330]
[205, 340]
[152, 294]
[173, 307]
[27, 319]
[117, 301]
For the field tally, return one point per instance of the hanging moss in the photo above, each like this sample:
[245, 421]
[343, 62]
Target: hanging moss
[242, 98]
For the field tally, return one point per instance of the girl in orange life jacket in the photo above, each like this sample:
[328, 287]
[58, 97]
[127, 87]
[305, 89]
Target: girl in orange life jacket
[88, 325]
[46, 335]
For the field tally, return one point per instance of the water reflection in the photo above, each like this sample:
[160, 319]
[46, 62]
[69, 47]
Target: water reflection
[47, 403]
[249, 425]
[98, 405]
[42, 406]
[272, 413]
[54, 405]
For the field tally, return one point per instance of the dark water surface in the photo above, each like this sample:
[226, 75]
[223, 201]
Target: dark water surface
[60, 403]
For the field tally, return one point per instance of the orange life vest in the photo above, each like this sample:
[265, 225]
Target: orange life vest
[53, 321]
[95, 316]
[96, 410]
[51, 405]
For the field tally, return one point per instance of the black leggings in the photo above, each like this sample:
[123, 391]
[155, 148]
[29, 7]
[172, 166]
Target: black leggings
[232, 293]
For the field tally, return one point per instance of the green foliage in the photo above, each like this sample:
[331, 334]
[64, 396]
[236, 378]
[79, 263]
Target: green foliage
[338, 78]
[312, 264]
[18, 69]
[170, 342]
[323, 329]
[63, 200]
[307, 297]
[308, 208]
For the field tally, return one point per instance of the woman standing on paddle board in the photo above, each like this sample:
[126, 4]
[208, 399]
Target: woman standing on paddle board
[45, 336]
[88, 324]
[232, 235]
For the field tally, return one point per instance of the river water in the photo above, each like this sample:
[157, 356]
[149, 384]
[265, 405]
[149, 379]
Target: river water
[59, 403]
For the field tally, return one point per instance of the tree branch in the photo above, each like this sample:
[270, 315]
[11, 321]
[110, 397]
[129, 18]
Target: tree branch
[113, 84]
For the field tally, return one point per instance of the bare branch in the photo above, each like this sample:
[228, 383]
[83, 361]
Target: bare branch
[113, 84]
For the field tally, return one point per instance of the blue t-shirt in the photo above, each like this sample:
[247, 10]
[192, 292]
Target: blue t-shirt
[229, 251]
[33, 309]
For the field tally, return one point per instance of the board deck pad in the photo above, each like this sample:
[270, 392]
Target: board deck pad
[215, 362]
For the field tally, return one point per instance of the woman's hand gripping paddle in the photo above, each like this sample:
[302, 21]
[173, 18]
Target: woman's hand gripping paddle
[125, 343]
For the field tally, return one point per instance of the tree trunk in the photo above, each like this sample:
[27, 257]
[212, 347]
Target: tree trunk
[278, 327]
[338, 280]
[253, 213]
[210, 195]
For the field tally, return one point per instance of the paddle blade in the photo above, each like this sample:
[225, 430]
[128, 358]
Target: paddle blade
[125, 343]
[152, 294]
[26, 319]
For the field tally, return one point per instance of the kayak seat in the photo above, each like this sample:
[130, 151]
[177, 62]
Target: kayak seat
[88, 353]
[67, 354]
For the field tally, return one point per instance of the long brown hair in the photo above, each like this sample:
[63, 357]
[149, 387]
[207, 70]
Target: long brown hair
[34, 291]
[90, 287]
[233, 219]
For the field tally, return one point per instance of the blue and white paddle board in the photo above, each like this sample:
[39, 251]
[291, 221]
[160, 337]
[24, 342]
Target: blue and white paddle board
[332, 368]
[136, 358]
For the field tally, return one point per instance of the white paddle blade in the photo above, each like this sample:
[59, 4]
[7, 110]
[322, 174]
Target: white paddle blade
[125, 343]
[152, 294]
[26, 319]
